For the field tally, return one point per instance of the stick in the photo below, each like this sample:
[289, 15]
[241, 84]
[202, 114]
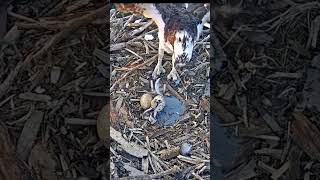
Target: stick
[170, 88]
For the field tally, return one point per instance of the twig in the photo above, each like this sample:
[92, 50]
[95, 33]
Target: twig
[170, 88]
[137, 31]
[134, 53]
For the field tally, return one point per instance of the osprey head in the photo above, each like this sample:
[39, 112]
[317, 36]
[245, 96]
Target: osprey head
[183, 47]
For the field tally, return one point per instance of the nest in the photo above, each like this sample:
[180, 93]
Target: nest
[134, 50]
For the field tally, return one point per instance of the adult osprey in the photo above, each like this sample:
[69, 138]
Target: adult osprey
[178, 32]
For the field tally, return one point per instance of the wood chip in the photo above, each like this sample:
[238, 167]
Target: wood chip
[169, 153]
[279, 172]
[79, 121]
[116, 47]
[223, 113]
[104, 70]
[243, 172]
[96, 94]
[55, 74]
[285, 75]
[133, 171]
[276, 153]
[272, 123]
[131, 148]
[103, 56]
[34, 97]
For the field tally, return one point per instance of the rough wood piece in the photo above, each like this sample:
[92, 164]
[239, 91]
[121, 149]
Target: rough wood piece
[243, 172]
[100, 54]
[145, 165]
[64, 165]
[306, 135]
[55, 74]
[139, 30]
[3, 19]
[316, 28]
[276, 153]
[133, 171]
[272, 123]
[223, 113]
[104, 70]
[169, 153]
[266, 167]
[279, 172]
[173, 91]
[34, 97]
[79, 121]
[6, 100]
[192, 160]
[285, 75]
[13, 34]
[29, 134]
[96, 94]
[131, 148]
[116, 47]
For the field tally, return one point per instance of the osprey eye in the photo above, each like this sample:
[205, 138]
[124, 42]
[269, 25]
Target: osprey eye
[179, 39]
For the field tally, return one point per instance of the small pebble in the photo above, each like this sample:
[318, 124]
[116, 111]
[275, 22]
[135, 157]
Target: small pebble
[185, 149]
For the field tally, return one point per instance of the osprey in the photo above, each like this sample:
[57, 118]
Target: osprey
[178, 30]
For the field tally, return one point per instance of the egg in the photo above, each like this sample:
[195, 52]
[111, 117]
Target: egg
[145, 100]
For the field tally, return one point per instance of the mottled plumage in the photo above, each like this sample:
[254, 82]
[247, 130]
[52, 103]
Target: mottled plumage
[179, 29]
